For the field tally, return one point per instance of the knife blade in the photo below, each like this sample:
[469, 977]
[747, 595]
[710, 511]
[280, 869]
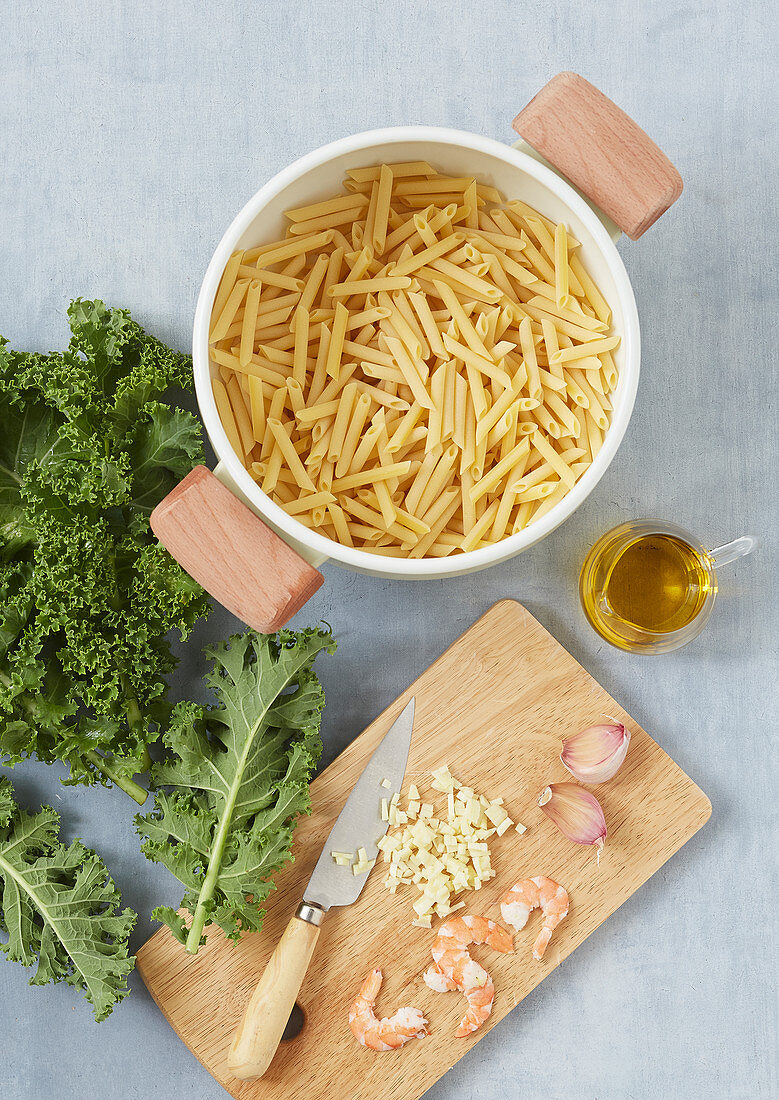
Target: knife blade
[359, 824]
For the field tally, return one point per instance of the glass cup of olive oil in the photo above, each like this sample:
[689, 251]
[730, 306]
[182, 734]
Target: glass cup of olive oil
[649, 587]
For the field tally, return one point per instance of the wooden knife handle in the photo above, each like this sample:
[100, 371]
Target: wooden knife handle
[259, 1032]
[235, 556]
[601, 150]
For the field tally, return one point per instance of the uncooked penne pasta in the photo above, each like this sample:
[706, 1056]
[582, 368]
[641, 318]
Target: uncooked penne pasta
[419, 368]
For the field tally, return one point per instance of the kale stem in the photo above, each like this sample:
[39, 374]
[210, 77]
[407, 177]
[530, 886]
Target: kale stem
[145, 761]
[135, 721]
[135, 791]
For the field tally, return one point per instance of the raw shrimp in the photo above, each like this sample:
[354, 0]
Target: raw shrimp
[455, 969]
[387, 1033]
[535, 893]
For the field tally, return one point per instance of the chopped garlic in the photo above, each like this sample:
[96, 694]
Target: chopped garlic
[384, 810]
[496, 814]
[444, 852]
[520, 828]
[385, 783]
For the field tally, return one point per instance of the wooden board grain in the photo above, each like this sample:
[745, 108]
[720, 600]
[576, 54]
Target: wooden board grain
[494, 707]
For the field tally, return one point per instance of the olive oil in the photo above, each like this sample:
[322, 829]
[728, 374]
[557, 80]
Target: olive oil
[647, 588]
[659, 583]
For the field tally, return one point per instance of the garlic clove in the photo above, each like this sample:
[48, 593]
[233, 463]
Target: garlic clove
[596, 753]
[575, 812]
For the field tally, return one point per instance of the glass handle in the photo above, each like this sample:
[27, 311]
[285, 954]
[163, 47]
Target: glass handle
[724, 555]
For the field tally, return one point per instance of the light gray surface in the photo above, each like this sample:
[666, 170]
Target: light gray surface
[131, 134]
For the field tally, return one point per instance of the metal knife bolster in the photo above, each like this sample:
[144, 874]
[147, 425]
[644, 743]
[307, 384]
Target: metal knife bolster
[310, 913]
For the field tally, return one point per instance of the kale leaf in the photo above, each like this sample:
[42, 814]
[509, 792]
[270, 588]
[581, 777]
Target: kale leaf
[236, 778]
[60, 908]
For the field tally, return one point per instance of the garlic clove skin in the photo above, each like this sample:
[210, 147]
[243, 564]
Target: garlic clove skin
[575, 812]
[596, 753]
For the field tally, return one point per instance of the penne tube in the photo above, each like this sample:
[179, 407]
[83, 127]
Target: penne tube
[474, 536]
[382, 397]
[226, 286]
[359, 414]
[225, 410]
[313, 283]
[486, 290]
[381, 212]
[399, 171]
[409, 371]
[397, 325]
[249, 321]
[296, 401]
[594, 347]
[561, 266]
[492, 478]
[435, 419]
[328, 206]
[272, 254]
[260, 368]
[229, 310]
[309, 502]
[368, 443]
[558, 464]
[340, 524]
[428, 323]
[478, 362]
[370, 476]
[300, 326]
[432, 252]
[271, 278]
[439, 479]
[257, 406]
[405, 428]
[290, 455]
[591, 292]
[403, 307]
[342, 418]
[326, 221]
[437, 518]
[337, 336]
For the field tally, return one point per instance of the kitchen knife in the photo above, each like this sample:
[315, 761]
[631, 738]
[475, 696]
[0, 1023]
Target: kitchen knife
[359, 825]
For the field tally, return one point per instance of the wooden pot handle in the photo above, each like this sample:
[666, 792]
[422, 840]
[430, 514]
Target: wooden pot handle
[260, 1030]
[235, 556]
[601, 151]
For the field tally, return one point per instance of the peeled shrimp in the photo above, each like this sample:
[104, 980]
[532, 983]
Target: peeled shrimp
[387, 1033]
[535, 893]
[455, 969]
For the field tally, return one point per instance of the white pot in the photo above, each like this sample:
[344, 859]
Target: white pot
[516, 172]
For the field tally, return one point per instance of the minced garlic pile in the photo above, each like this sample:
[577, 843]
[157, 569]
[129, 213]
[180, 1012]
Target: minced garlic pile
[441, 854]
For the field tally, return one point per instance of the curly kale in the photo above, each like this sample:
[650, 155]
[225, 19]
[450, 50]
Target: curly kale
[87, 596]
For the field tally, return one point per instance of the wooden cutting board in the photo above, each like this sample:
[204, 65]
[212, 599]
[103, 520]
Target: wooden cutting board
[494, 708]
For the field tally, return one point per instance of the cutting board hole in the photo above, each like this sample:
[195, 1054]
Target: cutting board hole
[295, 1023]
